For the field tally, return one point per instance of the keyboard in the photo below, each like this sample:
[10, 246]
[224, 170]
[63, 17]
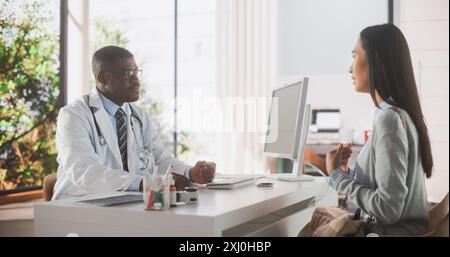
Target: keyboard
[290, 177]
[114, 200]
[238, 176]
[232, 181]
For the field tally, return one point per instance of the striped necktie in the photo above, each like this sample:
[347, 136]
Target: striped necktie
[121, 126]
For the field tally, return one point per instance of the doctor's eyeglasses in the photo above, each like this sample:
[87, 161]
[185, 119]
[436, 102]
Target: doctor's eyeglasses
[127, 74]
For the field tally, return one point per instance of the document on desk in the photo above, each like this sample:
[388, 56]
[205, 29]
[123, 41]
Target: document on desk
[114, 200]
[230, 183]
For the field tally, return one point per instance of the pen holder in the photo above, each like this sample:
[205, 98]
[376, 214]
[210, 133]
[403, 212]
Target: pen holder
[156, 192]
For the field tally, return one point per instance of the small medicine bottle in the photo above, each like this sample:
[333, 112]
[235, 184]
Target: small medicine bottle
[173, 193]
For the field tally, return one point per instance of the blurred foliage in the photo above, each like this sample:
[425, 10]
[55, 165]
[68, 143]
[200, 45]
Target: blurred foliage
[29, 80]
[106, 35]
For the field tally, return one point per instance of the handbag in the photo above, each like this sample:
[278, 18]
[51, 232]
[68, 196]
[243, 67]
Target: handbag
[333, 222]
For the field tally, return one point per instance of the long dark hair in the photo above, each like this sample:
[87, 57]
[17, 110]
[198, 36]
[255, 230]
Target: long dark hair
[391, 75]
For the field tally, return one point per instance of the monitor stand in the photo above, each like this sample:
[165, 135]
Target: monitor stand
[297, 168]
[296, 174]
[292, 177]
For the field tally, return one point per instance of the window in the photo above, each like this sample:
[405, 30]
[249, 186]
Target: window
[29, 89]
[147, 30]
[196, 78]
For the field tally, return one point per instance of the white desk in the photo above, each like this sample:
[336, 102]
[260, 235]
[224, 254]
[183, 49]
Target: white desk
[248, 211]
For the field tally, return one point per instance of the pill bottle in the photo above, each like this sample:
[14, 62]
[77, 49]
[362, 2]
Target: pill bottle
[173, 192]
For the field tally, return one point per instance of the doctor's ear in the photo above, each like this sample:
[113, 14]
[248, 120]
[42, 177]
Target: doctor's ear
[101, 79]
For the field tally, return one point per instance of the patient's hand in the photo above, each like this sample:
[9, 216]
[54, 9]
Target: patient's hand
[338, 158]
[203, 172]
[346, 154]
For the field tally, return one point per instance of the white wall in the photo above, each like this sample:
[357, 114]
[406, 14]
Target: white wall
[335, 91]
[315, 39]
[425, 25]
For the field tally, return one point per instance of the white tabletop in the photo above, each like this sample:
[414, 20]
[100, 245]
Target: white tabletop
[215, 211]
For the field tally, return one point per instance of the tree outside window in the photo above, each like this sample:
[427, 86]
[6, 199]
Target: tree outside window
[29, 89]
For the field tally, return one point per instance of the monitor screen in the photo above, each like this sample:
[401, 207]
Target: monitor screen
[326, 120]
[285, 118]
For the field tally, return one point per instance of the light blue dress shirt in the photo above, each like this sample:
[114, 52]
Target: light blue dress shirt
[111, 108]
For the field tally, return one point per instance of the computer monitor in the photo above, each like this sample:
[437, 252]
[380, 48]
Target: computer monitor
[326, 120]
[288, 124]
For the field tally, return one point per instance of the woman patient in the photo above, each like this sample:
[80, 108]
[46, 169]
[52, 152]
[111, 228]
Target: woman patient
[388, 180]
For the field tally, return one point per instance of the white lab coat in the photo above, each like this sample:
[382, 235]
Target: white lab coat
[88, 167]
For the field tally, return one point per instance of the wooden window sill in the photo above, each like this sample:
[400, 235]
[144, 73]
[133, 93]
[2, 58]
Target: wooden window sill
[21, 197]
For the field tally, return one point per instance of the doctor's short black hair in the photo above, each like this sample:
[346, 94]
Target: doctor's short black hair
[108, 54]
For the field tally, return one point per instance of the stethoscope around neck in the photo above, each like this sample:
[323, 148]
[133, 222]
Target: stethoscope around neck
[133, 116]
